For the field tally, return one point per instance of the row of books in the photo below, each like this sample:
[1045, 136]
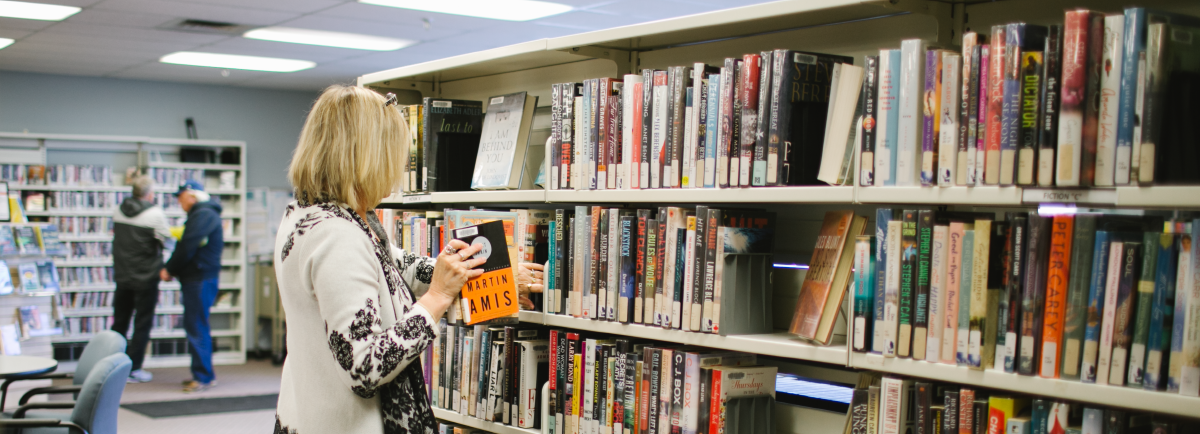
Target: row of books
[596, 383]
[1097, 298]
[1091, 102]
[449, 428]
[757, 120]
[85, 276]
[30, 239]
[90, 250]
[83, 226]
[104, 299]
[72, 351]
[656, 267]
[74, 200]
[57, 174]
[891, 405]
[174, 177]
[83, 325]
[443, 131]
[422, 232]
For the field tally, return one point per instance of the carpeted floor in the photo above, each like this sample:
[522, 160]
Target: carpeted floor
[255, 378]
[194, 407]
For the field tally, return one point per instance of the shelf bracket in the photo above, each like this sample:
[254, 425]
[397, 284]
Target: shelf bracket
[949, 23]
[620, 57]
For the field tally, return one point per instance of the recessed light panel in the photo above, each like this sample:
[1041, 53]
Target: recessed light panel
[4, 42]
[508, 10]
[328, 39]
[36, 11]
[232, 61]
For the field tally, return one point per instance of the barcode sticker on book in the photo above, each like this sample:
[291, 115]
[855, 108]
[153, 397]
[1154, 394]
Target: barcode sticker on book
[443, 104]
[466, 232]
[1181, 36]
[806, 59]
[497, 100]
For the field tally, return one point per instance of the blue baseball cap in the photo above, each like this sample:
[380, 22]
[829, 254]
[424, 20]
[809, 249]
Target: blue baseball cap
[190, 185]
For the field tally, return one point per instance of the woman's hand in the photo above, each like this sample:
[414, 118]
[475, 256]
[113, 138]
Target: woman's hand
[453, 269]
[530, 278]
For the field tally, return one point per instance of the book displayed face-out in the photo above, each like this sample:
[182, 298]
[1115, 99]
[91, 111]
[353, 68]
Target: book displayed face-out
[492, 294]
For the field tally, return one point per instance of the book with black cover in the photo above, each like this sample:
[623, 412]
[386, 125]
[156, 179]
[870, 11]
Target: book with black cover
[451, 129]
[799, 106]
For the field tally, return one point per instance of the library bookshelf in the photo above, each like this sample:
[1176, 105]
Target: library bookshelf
[852, 28]
[149, 154]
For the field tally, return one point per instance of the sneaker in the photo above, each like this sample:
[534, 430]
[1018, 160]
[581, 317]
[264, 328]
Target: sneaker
[140, 376]
[193, 386]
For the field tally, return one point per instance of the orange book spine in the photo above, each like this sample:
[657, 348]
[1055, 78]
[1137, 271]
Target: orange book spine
[1054, 318]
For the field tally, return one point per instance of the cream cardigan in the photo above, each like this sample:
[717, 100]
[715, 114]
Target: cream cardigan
[354, 335]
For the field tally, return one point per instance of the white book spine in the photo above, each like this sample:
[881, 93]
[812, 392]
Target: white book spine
[688, 273]
[887, 103]
[912, 79]
[1189, 375]
[658, 136]
[1104, 359]
[891, 312]
[724, 105]
[688, 179]
[938, 264]
[890, 399]
[589, 379]
[628, 159]
[948, 141]
[1111, 161]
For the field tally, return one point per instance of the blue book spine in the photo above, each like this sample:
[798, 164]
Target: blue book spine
[892, 141]
[1179, 319]
[1160, 311]
[551, 262]
[1095, 310]
[1039, 416]
[1134, 43]
[1010, 115]
[710, 130]
[964, 300]
[882, 217]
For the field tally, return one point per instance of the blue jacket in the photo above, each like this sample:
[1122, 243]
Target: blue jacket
[197, 255]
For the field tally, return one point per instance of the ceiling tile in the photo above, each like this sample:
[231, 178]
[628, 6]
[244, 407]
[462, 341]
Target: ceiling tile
[79, 3]
[108, 17]
[134, 34]
[251, 47]
[30, 25]
[81, 53]
[229, 14]
[14, 33]
[194, 74]
[411, 29]
[589, 20]
[360, 11]
[301, 6]
[148, 46]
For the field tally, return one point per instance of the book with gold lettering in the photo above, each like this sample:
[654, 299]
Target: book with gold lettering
[828, 274]
[492, 294]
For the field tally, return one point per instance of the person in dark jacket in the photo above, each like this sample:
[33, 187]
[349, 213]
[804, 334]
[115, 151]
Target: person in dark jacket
[139, 234]
[196, 261]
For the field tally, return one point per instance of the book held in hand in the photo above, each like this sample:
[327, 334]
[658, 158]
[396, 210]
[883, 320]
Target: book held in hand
[494, 293]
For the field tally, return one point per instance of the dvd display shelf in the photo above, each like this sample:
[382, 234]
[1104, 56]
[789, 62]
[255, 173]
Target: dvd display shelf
[120, 152]
[844, 27]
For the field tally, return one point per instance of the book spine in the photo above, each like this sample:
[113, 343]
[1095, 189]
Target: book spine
[661, 127]
[712, 106]
[678, 367]
[640, 267]
[908, 281]
[1032, 76]
[677, 78]
[1189, 377]
[966, 133]
[1095, 306]
[1000, 259]
[1111, 295]
[665, 391]
[555, 137]
[1152, 88]
[912, 75]
[682, 242]
[758, 171]
[616, 145]
[615, 285]
[601, 253]
[966, 411]
[921, 299]
[863, 291]
[646, 141]
[1082, 251]
[710, 275]
[1057, 283]
[592, 302]
[630, 115]
[735, 126]
[922, 413]
[891, 309]
[962, 346]
[662, 294]
[1158, 340]
[953, 289]
[889, 117]
[870, 91]
[1091, 108]
[950, 408]
[1183, 290]
[600, 151]
[948, 160]
[698, 268]
[652, 241]
[751, 70]
[626, 279]
[1112, 165]
[593, 117]
[939, 262]
[698, 118]
[590, 385]
[1011, 322]
[1144, 303]
[556, 369]
[890, 396]
[931, 103]
[1033, 299]
[979, 286]
[995, 106]
[882, 217]
[1132, 44]
[630, 406]
[718, 281]
[725, 128]
[1123, 327]
[1011, 103]
[981, 135]
[858, 411]
[1050, 106]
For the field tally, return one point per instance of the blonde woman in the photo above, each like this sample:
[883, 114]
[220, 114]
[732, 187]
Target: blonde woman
[360, 311]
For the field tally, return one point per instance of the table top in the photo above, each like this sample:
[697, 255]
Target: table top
[18, 366]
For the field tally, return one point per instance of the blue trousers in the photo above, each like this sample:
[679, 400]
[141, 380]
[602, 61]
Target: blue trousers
[198, 297]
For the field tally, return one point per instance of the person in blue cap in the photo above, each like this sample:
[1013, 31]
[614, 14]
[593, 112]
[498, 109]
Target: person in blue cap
[196, 262]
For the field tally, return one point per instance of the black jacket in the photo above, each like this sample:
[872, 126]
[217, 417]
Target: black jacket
[197, 256]
[139, 235]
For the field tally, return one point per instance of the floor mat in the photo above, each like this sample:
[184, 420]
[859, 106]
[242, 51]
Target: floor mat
[193, 407]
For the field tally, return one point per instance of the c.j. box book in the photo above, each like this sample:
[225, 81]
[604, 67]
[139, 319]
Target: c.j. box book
[494, 293]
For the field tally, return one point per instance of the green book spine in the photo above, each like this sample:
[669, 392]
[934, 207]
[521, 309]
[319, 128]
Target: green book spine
[962, 343]
[1077, 295]
[1145, 301]
[921, 293]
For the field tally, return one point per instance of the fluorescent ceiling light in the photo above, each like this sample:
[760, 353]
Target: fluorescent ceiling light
[4, 42]
[328, 39]
[36, 11]
[508, 10]
[232, 61]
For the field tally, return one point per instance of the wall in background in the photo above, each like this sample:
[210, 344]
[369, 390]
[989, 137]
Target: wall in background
[269, 121]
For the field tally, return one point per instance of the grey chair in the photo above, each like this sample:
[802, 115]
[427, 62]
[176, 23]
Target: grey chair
[94, 412]
[103, 344]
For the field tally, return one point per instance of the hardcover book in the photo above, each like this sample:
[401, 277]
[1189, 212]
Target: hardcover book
[995, 105]
[888, 117]
[966, 123]
[825, 283]
[870, 91]
[492, 294]
[500, 163]
[947, 163]
[1058, 279]
[1052, 57]
[798, 118]
[908, 273]
[908, 145]
[451, 128]
[1110, 164]
[931, 102]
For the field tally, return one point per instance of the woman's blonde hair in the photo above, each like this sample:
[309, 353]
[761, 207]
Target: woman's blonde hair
[352, 149]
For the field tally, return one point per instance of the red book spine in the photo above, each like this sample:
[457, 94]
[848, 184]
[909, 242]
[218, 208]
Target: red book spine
[1075, 71]
[614, 137]
[644, 400]
[995, 98]
[751, 69]
[714, 407]
[966, 411]
[1054, 317]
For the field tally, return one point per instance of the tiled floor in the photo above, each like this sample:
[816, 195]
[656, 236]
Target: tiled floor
[253, 378]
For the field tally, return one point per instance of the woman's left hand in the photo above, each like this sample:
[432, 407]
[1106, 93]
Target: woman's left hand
[530, 278]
